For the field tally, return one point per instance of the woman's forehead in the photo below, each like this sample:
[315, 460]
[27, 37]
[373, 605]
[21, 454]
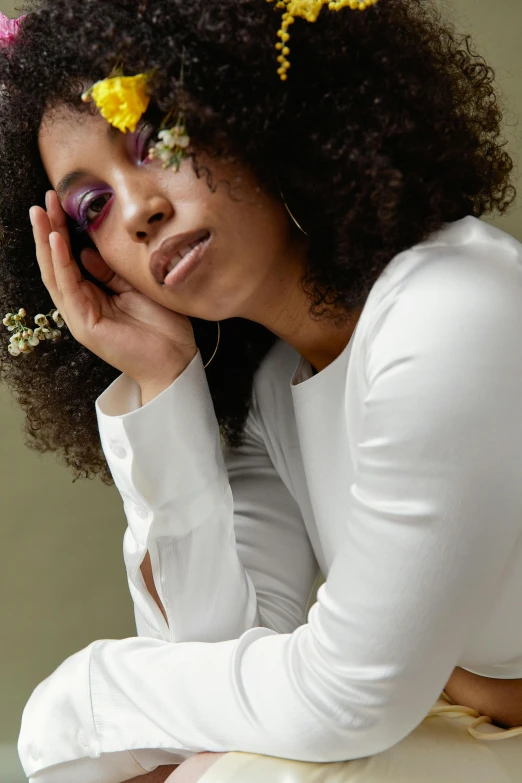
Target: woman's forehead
[65, 120]
[67, 137]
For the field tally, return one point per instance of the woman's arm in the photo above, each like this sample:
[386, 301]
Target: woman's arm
[226, 542]
[501, 700]
[148, 578]
[158, 775]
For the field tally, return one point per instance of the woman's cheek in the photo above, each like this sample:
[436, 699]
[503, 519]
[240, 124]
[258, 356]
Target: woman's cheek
[127, 259]
[126, 262]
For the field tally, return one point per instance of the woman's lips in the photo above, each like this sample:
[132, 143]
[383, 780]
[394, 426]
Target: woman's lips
[184, 267]
[169, 251]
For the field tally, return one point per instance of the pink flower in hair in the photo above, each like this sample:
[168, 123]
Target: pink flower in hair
[9, 28]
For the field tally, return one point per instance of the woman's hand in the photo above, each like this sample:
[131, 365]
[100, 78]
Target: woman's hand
[190, 771]
[137, 336]
[158, 775]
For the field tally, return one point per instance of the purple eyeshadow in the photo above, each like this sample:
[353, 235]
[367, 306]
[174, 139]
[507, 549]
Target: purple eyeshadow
[77, 204]
[141, 138]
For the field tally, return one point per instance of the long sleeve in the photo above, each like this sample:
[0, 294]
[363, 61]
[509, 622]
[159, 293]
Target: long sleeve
[229, 550]
[430, 521]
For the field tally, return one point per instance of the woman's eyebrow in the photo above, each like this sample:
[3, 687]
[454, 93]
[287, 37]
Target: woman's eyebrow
[70, 179]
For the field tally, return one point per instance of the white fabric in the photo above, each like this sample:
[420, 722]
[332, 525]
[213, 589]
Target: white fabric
[397, 471]
[438, 750]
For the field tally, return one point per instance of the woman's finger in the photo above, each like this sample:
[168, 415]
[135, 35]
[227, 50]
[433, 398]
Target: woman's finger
[68, 279]
[91, 259]
[98, 268]
[41, 231]
[57, 216]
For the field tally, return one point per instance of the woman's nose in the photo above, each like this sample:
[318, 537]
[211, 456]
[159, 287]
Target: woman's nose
[143, 217]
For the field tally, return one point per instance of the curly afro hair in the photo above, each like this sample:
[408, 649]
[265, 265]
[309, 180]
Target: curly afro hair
[387, 127]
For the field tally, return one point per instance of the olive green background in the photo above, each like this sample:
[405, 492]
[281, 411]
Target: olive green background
[62, 579]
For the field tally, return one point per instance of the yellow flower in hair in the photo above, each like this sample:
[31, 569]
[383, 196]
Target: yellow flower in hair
[309, 10]
[306, 9]
[122, 100]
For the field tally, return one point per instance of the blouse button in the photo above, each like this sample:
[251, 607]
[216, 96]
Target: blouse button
[33, 750]
[118, 450]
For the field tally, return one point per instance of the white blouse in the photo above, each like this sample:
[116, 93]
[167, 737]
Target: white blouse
[396, 471]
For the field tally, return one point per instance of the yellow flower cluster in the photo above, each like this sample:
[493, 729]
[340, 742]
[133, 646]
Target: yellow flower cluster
[122, 100]
[309, 10]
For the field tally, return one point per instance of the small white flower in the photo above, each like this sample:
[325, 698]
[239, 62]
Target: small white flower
[167, 137]
[24, 339]
[183, 141]
[56, 316]
[165, 155]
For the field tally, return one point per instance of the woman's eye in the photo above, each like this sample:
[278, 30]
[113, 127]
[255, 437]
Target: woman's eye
[96, 206]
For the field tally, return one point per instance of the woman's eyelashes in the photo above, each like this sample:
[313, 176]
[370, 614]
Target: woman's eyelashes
[91, 209]
[141, 141]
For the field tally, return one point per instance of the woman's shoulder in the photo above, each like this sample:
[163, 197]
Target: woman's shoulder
[467, 272]
[469, 231]
[455, 298]
[466, 261]
[463, 247]
[474, 243]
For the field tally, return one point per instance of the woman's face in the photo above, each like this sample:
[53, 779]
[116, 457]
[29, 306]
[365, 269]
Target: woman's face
[130, 207]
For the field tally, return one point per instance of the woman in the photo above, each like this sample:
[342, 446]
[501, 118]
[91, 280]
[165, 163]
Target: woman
[363, 374]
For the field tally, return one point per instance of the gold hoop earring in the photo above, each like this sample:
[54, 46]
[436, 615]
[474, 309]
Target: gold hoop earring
[290, 213]
[215, 349]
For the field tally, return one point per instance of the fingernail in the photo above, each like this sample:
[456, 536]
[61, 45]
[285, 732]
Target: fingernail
[31, 216]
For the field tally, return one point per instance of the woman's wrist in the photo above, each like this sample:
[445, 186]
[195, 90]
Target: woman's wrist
[153, 387]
